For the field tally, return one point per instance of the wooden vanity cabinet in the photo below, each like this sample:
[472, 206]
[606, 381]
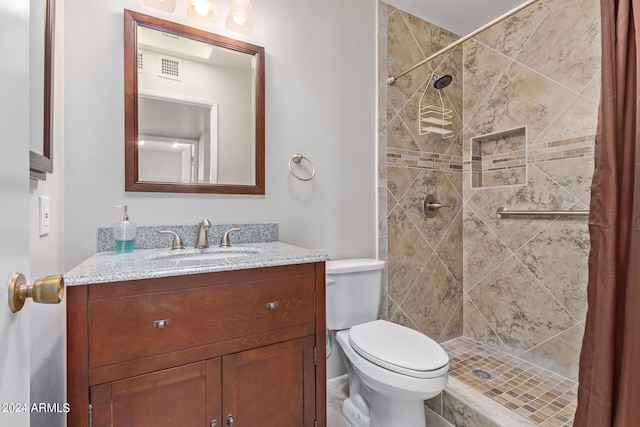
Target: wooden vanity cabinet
[238, 345]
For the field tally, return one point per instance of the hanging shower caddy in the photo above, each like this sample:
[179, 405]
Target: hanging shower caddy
[435, 118]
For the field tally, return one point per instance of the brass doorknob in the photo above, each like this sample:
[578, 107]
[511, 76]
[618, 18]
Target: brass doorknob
[46, 290]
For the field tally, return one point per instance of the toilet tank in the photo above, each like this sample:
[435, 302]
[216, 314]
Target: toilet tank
[353, 291]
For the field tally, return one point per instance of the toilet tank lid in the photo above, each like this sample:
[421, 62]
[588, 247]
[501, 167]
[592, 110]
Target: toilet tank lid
[353, 265]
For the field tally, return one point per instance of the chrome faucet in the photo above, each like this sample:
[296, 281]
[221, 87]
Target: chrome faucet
[203, 241]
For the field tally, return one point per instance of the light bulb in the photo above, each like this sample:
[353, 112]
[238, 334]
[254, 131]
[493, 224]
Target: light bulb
[239, 20]
[201, 7]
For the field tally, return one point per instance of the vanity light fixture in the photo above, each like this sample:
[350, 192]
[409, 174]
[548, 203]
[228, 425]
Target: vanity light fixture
[240, 18]
[164, 5]
[202, 11]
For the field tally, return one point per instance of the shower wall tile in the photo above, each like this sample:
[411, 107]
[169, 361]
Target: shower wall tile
[450, 248]
[476, 326]
[425, 288]
[579, 119]
[430, 38]
[456, 180]
[433, 298]
[560, 354]
[557, 256]
[399, 136]
[505, 299]
[408, 253]
[509, 35]
[455, 325]
[483, 251]
[540, 193]
[404, 53]
[574, 175]
[566, 45]
[435, 183]
[592, 91]
[400, 179]
[521, 97]
[515, 284]
[482, 69]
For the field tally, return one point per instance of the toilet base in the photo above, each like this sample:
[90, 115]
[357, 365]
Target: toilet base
[383, 412]
[356, 412]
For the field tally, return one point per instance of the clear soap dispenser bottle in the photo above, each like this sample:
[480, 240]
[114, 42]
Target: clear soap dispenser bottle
[124, 232]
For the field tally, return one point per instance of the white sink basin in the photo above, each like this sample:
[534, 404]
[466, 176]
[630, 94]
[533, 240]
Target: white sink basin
[209, 254]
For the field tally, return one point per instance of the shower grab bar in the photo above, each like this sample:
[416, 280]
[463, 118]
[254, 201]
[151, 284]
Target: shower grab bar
[504, 212]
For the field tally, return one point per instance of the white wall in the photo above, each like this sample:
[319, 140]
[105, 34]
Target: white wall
[320, 101]
[48, 355]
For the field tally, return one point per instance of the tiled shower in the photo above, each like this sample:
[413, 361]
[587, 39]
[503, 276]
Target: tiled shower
[524, 102]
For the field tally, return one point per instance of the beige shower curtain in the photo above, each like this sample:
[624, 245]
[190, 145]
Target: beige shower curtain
[609, 389]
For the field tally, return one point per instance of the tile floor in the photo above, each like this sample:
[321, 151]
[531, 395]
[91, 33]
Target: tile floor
[545, 398]
[335, 396]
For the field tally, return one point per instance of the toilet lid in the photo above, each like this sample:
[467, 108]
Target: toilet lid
[397, 348]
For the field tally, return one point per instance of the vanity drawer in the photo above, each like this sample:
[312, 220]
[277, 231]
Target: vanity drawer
[132, 327]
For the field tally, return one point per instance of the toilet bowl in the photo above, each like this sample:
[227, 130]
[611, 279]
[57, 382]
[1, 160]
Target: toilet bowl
[392, 369]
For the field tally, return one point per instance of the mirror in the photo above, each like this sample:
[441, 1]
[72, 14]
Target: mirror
[194, 110]
[42, 18]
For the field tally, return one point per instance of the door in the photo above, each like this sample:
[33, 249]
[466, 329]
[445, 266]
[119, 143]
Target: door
[272, 386]
[187, 395]
[14, 193]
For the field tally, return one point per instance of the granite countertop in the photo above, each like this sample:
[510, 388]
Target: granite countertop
[109, 266]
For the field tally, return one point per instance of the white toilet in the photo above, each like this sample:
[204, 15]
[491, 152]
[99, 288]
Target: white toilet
[392, 369]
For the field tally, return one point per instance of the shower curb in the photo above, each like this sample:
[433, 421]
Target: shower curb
[463, 406]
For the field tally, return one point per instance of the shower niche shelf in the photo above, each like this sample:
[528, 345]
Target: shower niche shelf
[499, 159]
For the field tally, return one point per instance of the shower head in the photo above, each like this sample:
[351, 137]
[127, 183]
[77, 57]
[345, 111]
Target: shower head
[443, 81]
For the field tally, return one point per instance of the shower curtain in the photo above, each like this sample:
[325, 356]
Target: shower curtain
[609, 377]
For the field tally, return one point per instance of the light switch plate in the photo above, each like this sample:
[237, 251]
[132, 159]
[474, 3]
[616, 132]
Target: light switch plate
[44, 216]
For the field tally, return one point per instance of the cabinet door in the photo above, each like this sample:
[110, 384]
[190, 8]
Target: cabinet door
[271, 386]
[184, 396]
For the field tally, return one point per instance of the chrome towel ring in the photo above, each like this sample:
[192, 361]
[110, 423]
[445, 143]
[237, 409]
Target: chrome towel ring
[297, 158]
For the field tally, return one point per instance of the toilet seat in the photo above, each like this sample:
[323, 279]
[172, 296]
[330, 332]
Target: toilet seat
[398, 348]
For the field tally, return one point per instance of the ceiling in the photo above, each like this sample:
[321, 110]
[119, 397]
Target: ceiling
[458, 16]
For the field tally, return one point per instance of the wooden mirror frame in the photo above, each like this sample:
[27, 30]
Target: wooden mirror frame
[42, 163]
[132, 183]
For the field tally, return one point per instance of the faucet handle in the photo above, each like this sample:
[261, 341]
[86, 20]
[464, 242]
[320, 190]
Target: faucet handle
[224, 240]
[177, 241]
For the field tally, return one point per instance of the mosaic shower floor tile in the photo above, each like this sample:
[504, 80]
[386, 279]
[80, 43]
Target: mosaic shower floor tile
[545, 398]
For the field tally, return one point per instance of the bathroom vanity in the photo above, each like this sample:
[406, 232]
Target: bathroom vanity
[216, 342]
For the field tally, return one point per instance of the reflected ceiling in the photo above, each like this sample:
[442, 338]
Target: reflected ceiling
[458, 16]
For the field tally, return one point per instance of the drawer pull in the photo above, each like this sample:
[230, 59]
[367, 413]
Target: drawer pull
[230, 420]
[272, 305]
[161, 324]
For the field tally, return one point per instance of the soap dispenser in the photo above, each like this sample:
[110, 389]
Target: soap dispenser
[124, 232]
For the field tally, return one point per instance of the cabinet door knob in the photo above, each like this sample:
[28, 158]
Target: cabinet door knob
[214, 423]
[230, 420]
[272, 305]
[161, 324]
